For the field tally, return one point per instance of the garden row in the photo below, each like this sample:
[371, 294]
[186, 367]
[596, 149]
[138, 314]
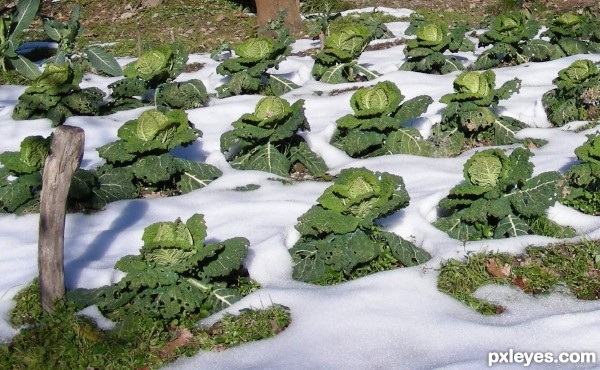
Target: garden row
[178, 275]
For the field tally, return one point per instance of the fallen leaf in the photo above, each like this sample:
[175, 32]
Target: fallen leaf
[183, 337]
[497, 271]
[520, 281]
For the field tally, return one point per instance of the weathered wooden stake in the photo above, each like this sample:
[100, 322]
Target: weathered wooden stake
[66, 151]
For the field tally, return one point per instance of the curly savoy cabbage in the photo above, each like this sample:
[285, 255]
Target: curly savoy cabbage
[177, 276]
[339, 238]
[500, 199]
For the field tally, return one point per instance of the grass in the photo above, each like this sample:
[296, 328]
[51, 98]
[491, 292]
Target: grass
[128, 29]
[65, 340]
[539, 270]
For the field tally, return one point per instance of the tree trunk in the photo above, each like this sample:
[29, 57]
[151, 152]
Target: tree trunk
[269, 10]
[66, 151]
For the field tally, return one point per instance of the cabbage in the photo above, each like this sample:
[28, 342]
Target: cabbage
[576, 96]
[376, 127]
[257, 48]
[340, 239]
[426, 53]
[271, 107]
[382, 98]
[248, 70]
[336, 63]
[268, 139]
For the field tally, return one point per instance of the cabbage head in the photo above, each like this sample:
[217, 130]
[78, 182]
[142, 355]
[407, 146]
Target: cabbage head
[433, 34]
[473, 86]
[271, 107]
[486, 168]
[30, 158]
[506, 22]
[55, 79]
[150, 64]
[364, 194]
[256, 48]
[576, 73]
[510, 28]
[349, 42]
[380, 99]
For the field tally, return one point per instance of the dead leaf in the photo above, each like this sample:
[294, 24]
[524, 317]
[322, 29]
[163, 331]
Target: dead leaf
[183, 337]
[520, 281]
[497, 271]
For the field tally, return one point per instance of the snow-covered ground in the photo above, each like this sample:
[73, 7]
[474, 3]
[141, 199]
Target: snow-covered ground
[390, 320]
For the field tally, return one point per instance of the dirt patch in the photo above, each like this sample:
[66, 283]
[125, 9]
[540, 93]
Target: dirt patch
[202, 24]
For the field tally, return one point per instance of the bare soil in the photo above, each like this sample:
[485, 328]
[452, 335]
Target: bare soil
[203, 24]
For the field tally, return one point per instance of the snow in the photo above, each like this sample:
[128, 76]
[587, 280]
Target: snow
[391, 320]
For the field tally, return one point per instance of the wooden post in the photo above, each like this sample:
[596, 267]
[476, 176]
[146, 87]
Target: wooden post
[66, 151]
[269, 10]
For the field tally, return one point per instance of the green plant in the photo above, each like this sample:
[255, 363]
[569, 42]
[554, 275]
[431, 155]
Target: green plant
[375, 23]
[536, 271]
[248, 70]
[576, 96]
[426, 53]
[337, 62]
[20, 176]
[572, 31]
[268, 140]
[56, 95]
[11, 29]
[249, 326]
[318, 6]
[512, 38]
[500, 199]
[65, 34]
[584, 178]
[376, 127]
[339, 238]
[320, 23]
[416, 20]
[176, 278]
[470, 115]
[148, 80]
[69, 339]
[141, 159]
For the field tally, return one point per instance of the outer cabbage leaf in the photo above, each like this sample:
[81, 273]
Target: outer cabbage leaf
[359, 143]
[304, 155]
[264, 158]
[154, 169]
[194, 175]
[510, 226]
[406, 252]
[408, 141]
[318, 221]
[182, 95]
[30, 158]
[113, 184]
[536, 195]
[229, 260]
[456, 228]
[308, 266]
